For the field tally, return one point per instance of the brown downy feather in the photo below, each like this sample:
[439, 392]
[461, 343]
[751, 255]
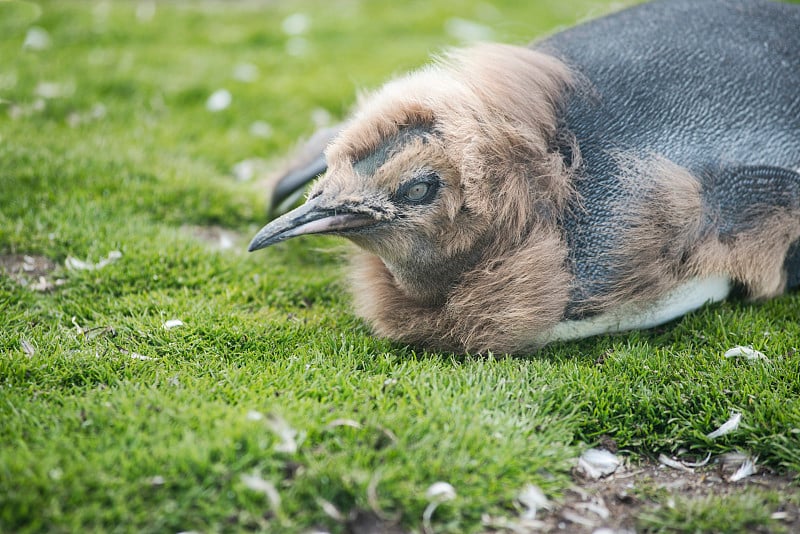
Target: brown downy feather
[666, 239]
[502, 305]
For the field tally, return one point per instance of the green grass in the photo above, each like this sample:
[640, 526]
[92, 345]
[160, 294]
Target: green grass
[92, 439]
[741, 513]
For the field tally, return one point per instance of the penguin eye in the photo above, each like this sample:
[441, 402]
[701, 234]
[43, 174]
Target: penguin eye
[421, 190]
[417, 191]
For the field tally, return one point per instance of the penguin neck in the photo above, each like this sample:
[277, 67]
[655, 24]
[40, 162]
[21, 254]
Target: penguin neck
[428, 279]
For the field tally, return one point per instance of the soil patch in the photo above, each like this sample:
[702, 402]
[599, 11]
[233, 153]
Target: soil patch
[613, 504]
[31, 271]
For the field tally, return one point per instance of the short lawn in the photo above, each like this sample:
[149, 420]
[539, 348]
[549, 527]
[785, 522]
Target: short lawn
[134, 137]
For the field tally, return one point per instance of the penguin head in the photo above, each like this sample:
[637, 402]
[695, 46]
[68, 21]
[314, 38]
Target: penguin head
[395, 187]
[436, 167]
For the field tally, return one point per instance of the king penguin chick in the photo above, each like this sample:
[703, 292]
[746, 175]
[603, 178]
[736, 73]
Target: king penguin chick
[612, 176]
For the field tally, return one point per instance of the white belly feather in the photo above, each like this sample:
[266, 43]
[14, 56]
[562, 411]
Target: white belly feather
[681, 300]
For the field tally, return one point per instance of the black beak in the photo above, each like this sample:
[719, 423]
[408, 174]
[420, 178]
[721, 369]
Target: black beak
[310, 218]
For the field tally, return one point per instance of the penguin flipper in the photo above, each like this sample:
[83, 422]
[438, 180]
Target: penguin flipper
[743, 196]
[758, 207]
[792, 266]
[306, 163]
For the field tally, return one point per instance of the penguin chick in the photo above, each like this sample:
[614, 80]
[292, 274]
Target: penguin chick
[612, 176]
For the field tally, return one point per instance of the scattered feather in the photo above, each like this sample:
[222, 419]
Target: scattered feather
[173, 323]
[79, 265]
[701, 463]
[245, 72]
[437, 493]
[745, 352]
[391, 436]
[133, 355]
[743, 464]
[532, 499]
[157, 480]
[254, 415]
[101, 331]
[219, 100]
[97, 112]
[296, 24]
[732, 459]
[574, 517]
[216, 237]
[225, 242]
[674, 464]
[747, 468]
[145, 10]
[261, 129]
[374, 504]
[504, 524]
[330, 510]
[597, 463]
[36, 39]
[101, 11]
[27, 348]
[50, 90]
[259, 485]
[78, 327]
[343, 422]
[247, 169]
[297, 46]
[321, 117]
[41, 285]
[28, 263]
[286, 434]
[596, 507]
[729, 426]
[47, 284]
[372, 493]
[467, 31]
[440, 491]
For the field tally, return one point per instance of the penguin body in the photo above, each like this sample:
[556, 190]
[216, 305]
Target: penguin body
[613, 176]
[711, 86]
